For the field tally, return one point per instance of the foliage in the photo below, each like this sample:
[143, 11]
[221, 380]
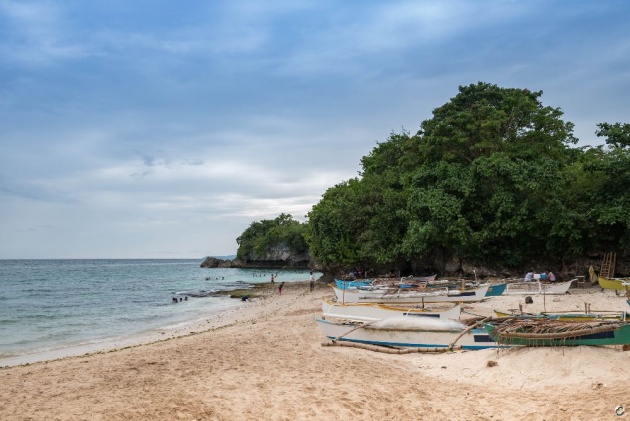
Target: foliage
[491, 178]
[263, 235]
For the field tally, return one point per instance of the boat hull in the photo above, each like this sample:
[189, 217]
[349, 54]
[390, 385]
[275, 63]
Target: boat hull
[571, 316]
[617, 284]
[496, 289]
[371, 311]
[620, 336]
[406, 338]
[537, 288]
[380, 296]
[341, 284]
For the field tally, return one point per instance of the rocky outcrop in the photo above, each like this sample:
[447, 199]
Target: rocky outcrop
[279, 257]
[213, 262]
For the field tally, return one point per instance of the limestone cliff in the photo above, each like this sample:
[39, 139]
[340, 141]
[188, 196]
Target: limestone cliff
[278, 257]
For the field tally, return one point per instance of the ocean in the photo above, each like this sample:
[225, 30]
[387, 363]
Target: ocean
[57, 305]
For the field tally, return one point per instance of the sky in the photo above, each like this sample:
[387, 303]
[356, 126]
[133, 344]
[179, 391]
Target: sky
[163, 129]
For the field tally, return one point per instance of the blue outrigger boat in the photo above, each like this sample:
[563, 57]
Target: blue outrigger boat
[496, 289]
[352, 283]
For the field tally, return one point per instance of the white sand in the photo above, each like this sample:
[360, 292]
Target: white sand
[265, 362]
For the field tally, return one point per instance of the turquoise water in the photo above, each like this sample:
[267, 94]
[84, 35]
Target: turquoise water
[53, 304]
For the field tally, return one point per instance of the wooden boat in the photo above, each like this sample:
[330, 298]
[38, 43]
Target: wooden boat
[406, 296]
[404, 282]
[571, 316]
[496, 289]
[549, 332]
[352, 283]
[537, 287]
[408, 333]
[617, 284]
[372, 311]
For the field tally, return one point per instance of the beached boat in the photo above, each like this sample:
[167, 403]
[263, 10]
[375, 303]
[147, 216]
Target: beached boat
[372, 311]
[352, 283]
[408, 333]
[537, 287]
[404, 282]
[406, 296]
[496, 289]
[550, 332]
[570, 315]
[617, 284]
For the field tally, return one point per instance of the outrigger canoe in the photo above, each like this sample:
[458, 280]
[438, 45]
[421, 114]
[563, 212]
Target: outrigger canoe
[617, 284]
[352, 283]
[496, 289]
[373, 311]
[537, 287]
[425, 333]
[406, 296]
[571, 316]
[547, 332]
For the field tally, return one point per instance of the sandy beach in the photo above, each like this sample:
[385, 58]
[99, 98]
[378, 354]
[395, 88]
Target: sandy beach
[264, 361]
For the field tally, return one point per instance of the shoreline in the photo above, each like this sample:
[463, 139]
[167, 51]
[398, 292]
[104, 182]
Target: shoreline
[265, 361]
[206, 321]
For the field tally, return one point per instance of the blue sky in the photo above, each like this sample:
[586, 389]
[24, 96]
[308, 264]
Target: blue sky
[162, 129]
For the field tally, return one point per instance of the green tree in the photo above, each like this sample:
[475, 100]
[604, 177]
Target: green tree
[492, 160]
[260, 236]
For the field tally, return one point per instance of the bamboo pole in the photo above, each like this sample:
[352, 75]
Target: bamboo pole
[558, 335]
[352, 330]
[468, 329]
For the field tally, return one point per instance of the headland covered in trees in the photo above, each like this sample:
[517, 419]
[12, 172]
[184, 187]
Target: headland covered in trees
[492, 183]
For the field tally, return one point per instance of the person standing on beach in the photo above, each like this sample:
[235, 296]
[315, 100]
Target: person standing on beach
[272, 278]
[280, 288]
[312, 281]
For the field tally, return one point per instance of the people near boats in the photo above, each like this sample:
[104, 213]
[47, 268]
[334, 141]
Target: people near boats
[551, 276]
[280, 288]
[529, 276]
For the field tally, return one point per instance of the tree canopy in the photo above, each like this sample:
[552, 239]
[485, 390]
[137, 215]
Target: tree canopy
[492, 178]
[263, 235]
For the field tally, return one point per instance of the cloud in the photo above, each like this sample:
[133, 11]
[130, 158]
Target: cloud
[137, 130]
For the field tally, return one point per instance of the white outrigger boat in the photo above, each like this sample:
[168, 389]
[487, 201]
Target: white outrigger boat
[537, 287]
[373, 311]
[408, 333]
[407, 296]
